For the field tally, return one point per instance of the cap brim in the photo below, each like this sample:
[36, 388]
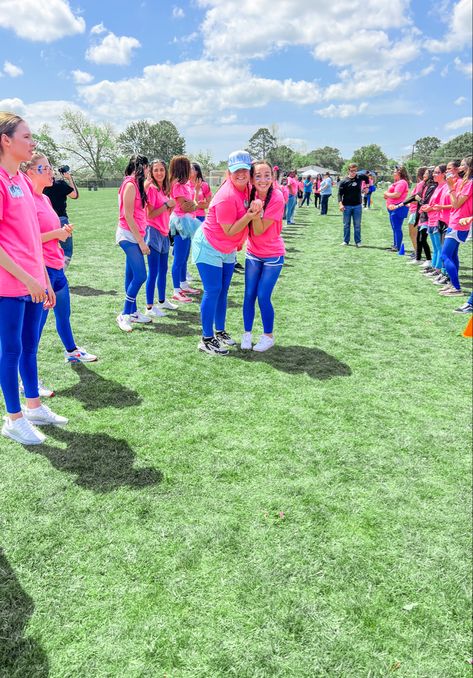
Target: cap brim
[239, 165]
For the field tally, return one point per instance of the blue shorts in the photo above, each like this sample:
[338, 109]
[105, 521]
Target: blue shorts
[156, 240]
[266, 261]
[57, 278]
[459, 236]
[204, 253]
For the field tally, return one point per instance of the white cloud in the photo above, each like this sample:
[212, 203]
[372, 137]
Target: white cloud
[427, 70]
[39, 113]
[178, 13]
[460, 101]
[460, 123]
[466, 69]
[98, 29]
[113, 49]
[82, 77]
[40, 21]
[459, 32]
[341, 111]
[12, 70]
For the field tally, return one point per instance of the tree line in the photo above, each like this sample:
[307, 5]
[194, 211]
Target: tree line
[98, 152]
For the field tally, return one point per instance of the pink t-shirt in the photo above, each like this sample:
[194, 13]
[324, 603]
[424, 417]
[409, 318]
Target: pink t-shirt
[139, 213]
[300, 186]
[269, 243]
[401, 187]
[53, 254]
[204, 194]
[284, 190]
[292, 185]
[444, 199]
[228, 206]
[416, 190]
[182, 191]
[19, 233]
[156, 199]
[466, 210]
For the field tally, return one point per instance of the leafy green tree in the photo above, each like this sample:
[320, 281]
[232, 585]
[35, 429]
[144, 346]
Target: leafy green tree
[370, 157]
[282, 156]
[425, 148]
[457, 148]
[93, 145]
[47, 145]
[154, 140]
[261, 144]
[205, 160]
[326, 156]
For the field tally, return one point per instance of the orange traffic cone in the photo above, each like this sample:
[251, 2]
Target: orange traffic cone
[468, 332]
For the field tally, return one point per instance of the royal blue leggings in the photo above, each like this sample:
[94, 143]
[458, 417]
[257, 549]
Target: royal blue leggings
[135, 274]
[157, 271]
[213, 309]
[182, 247]
[260, 279]
[450, 257]
[437, 249]
[62, 310]
[306, 198]
[396, 217]
[19, 338]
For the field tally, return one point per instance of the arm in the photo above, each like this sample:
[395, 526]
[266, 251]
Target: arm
[168, 205]
[75, 193]
[457, 200]
[129, 195]
[341, 195]
[261, 225]
[33, 286]
[61, 234]
[239, 225]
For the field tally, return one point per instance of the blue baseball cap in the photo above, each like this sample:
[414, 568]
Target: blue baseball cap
[239, 160]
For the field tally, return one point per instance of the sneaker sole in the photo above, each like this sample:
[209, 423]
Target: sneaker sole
[204, 350]
[17, 439]
[46, 423]
[80, 360]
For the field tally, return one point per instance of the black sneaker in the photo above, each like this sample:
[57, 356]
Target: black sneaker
[212, 346]
[466, 308]
[239, 268]
[224, 339]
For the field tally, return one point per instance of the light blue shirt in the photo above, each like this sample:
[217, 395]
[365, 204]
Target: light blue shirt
[326, 186]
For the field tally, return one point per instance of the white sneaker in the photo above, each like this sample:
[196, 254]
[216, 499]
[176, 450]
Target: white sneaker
[80, 355]
[415, 262]
[189, 278]
[167, 304]
[43, 391]
[246, 344]
[22, 431]
[264, 343]
[141, 318]
[427, 263]
[154, 312]
[42, 415]
[124, 322]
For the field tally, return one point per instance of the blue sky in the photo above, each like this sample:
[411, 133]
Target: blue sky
[345, 74]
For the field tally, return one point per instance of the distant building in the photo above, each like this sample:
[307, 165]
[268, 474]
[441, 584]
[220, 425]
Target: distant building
[314, 170]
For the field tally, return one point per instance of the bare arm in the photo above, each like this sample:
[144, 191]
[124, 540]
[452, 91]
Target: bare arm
[129, 195]
[75, 193]
[261, 225]
[239, 225]
[33, 286]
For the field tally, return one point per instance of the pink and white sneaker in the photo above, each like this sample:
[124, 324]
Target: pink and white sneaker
[180, 296]
[190, 290]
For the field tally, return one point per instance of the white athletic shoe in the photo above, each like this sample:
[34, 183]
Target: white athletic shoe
[189, 278]
[415, 262]
[246, 344]
[43, 391]
[124, 323]
[141, 318]
[264, 343]
[154, 312]
[22, 431]
[80, 355]
[427, 264]
[43, 416]
[167, 304]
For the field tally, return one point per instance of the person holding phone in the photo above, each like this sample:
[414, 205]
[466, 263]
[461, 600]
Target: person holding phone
[62, 188]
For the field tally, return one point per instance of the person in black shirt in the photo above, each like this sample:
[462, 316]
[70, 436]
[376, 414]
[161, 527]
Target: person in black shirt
[58, 194]
[349, 202]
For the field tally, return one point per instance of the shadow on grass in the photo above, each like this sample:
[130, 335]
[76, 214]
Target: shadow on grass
[96, 392]
[84, 291]
[99, 462]
[19, 656]
[316, 363]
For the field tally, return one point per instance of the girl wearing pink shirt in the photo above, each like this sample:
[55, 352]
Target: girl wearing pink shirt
[40, 173]
[264, 256]
[395, 194]
[460, 192]
[130, 236]
[24, 287]
[158, 210]
[437, 209]
[205, 193]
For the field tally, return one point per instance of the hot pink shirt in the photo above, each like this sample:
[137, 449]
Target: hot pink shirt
[439, 197]
[401, 187]
[300, 186]
[269, 243]
[139, 213]
[417, 189]
[53, 254]
[466, 210]
[227, 207]
[182, 191]
[156, 199]
[204, 193]
[284, 190]
[19, 233]
[444, 199]
[292, 185]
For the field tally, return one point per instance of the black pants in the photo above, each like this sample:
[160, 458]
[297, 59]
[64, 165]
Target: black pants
[423, 244]
[316, 199]
[306, 198]
[324, 204]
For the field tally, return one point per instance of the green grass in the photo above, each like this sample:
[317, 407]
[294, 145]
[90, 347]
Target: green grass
[303, 512]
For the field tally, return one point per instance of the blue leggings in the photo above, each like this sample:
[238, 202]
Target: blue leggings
[260, 279]
[450, 257]
[182, 247]
[62, 310]
[437, 247]
[213, 308]
[157, 271]
[135, 274]
[19, 338]
[306, 198]
[396, 217]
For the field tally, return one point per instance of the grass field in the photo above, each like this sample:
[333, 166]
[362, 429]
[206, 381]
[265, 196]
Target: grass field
[299, 513]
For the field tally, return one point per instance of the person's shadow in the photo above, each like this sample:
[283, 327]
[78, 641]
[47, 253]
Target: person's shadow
[96, 392]
[99, 462]
[19, 655]
[316, 363]
[85, 291]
